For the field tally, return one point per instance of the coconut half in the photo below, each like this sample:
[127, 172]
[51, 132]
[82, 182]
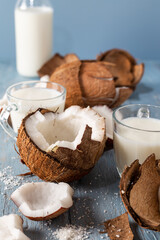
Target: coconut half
[43, 201]
[11, 228]
[62, 147]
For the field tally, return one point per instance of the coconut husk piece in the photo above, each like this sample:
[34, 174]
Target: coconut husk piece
[118, 228]
[57, 60]
[68, 76]
[124, 71]
[139, 187]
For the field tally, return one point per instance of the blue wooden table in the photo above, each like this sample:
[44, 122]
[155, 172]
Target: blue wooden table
[96, 196]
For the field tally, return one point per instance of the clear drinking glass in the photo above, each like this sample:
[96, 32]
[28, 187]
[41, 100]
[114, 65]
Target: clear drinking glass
[26, 97]
[136, 133]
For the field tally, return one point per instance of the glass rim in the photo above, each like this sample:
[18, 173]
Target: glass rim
[9, 94]
[130, 127]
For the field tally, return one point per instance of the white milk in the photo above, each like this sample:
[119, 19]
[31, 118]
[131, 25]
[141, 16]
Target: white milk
[30, 99]
[131, 144]
[33, 32]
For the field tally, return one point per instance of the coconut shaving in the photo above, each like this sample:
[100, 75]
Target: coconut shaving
[71, 232]
[7, 178]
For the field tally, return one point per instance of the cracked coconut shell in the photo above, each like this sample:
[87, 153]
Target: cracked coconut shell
[139, 186]
[61, 147]
[125, 70]
[57, 60]
[90, 83]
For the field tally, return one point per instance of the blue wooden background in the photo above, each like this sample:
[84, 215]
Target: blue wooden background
[88, 27]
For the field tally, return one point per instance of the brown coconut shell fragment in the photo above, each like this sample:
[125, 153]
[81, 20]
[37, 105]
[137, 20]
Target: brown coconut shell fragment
[57, 60]
[77, 159]
[139, 187]
[118, 228]
[126, 72]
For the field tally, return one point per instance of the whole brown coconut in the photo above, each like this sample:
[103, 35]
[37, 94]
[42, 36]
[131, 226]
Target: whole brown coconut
[139, 189]
[61, 147]
[108, 81]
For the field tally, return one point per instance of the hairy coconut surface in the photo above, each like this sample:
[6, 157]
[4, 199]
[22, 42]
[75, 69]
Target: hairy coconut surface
[43, 201]
[89, 83]
[139, 187]
[11, 228]
[68, 76]
[57, 60]
[118, 228]
[62, 147]
[126, 71]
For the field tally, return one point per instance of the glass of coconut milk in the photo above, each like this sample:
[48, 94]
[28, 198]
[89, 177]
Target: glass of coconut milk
[26, 97]
[136, 133]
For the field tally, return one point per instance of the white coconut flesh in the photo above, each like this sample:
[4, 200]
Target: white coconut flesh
[42, 199]
[106, 112]
[11, 228]
[66, 129]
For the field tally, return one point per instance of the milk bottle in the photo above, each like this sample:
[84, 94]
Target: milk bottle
[33, 34]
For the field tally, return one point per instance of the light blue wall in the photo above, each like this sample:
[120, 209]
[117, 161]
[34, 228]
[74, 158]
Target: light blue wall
[88, 27]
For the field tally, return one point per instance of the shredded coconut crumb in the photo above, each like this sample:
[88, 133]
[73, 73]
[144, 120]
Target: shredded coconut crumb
[8, 180]
[71, 232]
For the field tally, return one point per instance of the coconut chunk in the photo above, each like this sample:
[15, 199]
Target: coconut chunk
[106, 112]
[39, 201]
[11, 228]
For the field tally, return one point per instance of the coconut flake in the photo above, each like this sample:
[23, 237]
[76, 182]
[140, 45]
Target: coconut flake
[71, 232]
[8, 179]
[11, 228]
